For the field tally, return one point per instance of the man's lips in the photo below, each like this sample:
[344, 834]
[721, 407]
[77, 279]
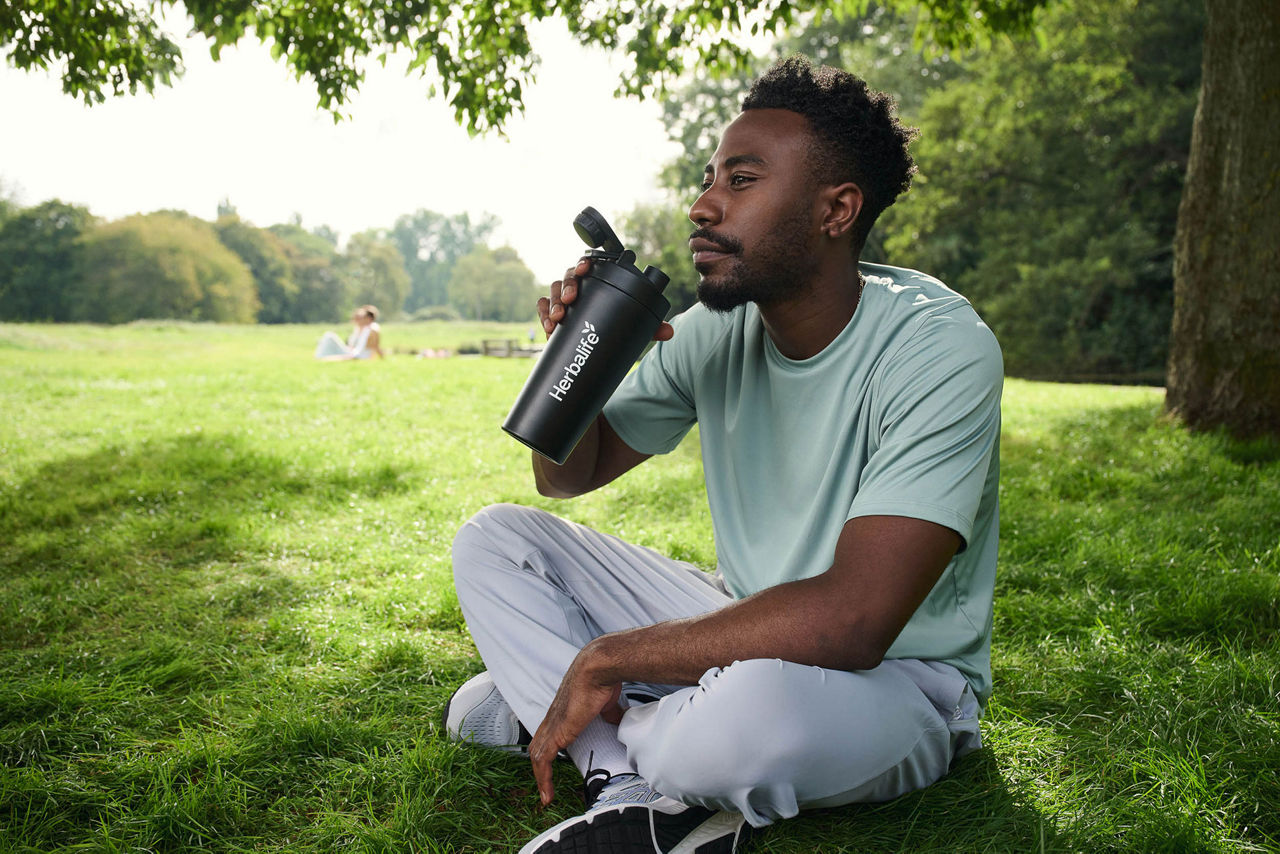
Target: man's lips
[705, 251]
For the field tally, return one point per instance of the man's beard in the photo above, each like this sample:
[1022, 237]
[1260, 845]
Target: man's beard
[780, 268]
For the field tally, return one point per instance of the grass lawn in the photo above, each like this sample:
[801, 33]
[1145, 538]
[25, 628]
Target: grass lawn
[227, 621]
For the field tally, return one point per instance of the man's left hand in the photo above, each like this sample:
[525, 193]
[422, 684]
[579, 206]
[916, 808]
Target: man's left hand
[583, 695]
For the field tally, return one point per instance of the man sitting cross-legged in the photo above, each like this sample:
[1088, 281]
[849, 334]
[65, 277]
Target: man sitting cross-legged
[849, 418]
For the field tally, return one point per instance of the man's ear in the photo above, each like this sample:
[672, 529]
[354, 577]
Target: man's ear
[843, 204]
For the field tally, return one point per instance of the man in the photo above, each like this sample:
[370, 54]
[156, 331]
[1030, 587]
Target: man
[849, 419]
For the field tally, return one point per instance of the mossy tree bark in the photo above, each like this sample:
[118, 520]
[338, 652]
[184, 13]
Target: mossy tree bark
[1224, 364]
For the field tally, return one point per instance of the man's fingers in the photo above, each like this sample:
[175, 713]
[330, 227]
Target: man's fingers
[544, 312]
[554, 312]
[570, 290]
[577, 702]
[542, 775]
[563, 292]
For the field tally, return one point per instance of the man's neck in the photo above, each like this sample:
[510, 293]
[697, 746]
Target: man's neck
[801, 328]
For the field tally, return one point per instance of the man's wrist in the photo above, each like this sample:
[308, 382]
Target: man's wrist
[603, 658]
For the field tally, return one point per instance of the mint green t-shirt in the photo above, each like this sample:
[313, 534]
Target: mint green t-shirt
[898, 416]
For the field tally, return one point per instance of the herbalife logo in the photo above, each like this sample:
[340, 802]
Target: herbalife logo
[581, 353]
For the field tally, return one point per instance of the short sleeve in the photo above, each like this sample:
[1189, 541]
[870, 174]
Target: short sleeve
[653, 409]
[937, 423]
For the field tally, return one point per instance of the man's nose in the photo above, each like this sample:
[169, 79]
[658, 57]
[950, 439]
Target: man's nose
[705, 209]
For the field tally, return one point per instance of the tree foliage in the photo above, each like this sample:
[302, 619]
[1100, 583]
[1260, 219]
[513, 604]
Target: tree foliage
[266, 257]
[375, 273]
[1050, 172]
[8, 201]
[40, 266]
[1049, 183]
[109, 45]
[59, 263]
[322, 295]
[430, 244]
[493, 284]
[477, 52]
[162, 266]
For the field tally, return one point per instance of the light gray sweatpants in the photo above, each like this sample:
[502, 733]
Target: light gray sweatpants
[763, 737]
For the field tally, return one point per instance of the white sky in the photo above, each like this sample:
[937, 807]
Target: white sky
[244, 129]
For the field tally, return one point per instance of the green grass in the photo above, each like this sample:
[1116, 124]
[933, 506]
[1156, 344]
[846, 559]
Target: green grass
[227, 621]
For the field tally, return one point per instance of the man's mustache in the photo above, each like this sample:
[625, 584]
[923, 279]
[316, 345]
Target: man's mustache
[728, 244]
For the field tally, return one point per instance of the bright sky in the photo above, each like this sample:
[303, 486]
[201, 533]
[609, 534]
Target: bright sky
[244, 129]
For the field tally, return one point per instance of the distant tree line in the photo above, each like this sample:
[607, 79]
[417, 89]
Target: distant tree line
[59, 263]
[1050, 173]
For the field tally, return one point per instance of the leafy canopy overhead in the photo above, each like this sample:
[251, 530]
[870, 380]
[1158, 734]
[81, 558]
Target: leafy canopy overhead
[476, 51]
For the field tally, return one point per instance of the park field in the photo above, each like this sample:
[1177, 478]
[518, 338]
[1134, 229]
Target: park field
[227, 621]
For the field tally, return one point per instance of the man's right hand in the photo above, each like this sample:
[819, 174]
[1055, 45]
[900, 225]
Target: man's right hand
[601, 455]
[565, 291]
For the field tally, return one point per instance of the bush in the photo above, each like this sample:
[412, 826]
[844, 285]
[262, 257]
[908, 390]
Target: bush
[163, 265]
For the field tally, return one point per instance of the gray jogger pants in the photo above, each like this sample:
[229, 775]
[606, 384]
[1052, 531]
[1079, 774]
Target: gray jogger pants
[763, 737]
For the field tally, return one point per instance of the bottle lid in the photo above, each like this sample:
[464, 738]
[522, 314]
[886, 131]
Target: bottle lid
[623, 275]
[594, 230]
[616, 265]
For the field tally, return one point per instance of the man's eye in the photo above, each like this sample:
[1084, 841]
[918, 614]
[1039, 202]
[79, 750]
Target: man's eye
[706, 185]
[739, 180]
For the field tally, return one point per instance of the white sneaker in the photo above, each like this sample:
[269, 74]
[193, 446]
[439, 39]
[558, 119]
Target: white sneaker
[478, 713]
[629, 817]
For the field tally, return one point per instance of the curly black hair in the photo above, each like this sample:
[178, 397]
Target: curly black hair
[857, 134]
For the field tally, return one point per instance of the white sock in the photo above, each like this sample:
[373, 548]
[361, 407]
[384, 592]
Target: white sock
[598, 748]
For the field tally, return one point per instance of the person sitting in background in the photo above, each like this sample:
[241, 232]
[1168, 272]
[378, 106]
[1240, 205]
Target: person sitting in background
[363, 342]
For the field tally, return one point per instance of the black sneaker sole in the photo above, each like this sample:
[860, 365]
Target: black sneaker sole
[628, 831]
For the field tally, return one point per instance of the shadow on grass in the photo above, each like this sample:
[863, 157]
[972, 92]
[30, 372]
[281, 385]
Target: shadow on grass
[974, 808]
[192, 533]
[127, 527]
[176, 598]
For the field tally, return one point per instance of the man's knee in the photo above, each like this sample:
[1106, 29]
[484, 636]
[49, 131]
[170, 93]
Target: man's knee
[769, 732]
[483, 536]
[735, 732]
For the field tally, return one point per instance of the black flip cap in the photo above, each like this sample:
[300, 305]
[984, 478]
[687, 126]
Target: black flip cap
[595, 231]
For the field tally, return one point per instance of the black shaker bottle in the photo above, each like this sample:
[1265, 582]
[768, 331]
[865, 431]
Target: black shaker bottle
[601, 335]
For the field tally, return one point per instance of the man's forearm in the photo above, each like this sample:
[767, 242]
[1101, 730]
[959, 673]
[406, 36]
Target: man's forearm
[844, 619]
[575, 476]
[599, 457]
[802, 621]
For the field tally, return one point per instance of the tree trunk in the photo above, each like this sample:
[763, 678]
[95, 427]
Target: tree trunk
[1224, 361]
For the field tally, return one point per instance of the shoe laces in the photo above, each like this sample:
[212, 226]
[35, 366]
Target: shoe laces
[603, 789]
